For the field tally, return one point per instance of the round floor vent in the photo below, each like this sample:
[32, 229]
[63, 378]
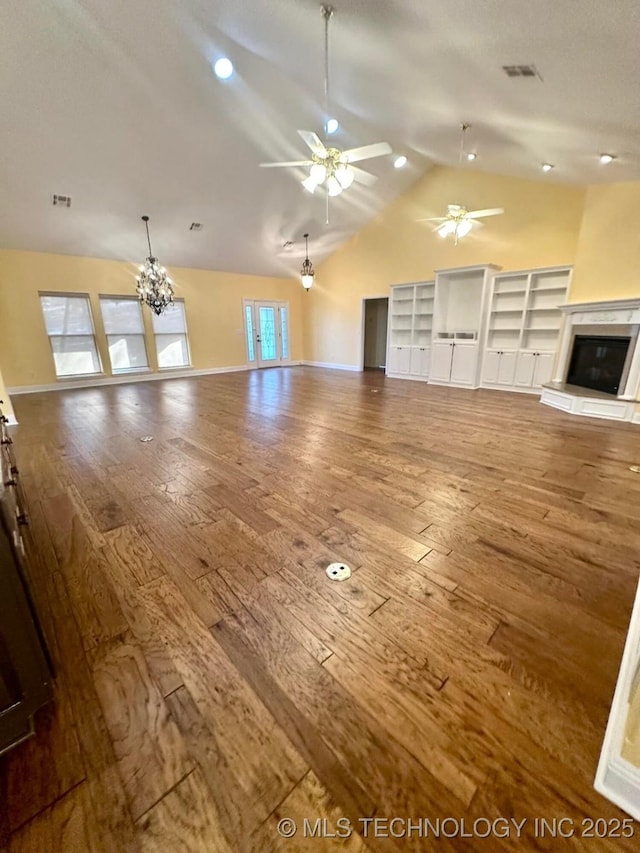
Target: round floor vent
[338, 571]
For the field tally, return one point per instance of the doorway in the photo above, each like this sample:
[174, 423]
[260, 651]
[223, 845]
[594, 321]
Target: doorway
[266, 328]
[376, 313]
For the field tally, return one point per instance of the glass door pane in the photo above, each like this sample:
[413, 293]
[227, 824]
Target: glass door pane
[249, 332]
[267, 338]
[284, 333]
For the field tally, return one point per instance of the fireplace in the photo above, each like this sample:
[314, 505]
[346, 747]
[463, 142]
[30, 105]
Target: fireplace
[597, 362]
[597, 372]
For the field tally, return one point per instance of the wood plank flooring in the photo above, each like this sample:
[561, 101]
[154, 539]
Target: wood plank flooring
[212, 681]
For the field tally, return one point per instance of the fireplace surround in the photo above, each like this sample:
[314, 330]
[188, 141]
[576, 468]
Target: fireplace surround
[613, 373]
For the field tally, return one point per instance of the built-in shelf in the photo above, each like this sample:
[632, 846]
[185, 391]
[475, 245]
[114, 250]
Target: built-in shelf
[518, 352]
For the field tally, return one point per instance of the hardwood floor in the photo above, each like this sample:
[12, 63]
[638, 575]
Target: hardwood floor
[211, 679]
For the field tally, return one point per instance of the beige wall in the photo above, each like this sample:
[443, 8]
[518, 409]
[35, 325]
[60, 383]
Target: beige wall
[539, 228]
[213, 303]
[607, 264]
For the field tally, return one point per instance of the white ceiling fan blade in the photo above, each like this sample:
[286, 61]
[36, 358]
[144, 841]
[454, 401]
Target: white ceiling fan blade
[290, 163]
[314, 142]
[490, 211]
[366, 152]
[434, 219]
[363, 177]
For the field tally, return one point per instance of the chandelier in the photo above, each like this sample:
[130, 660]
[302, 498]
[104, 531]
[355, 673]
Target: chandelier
[154, 287]
[307, 272]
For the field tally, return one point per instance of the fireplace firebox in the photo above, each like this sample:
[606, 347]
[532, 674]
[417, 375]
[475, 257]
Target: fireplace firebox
[597, 362]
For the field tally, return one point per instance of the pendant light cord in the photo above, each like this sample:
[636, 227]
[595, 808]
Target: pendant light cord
[145, 219]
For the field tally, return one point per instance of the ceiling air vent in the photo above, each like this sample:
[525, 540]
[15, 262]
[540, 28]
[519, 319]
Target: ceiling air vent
[521, 71]
[61, 200]
[195, 226]
[288, 245]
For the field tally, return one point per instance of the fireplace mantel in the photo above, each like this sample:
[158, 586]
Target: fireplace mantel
[578, 317]
[615, 312]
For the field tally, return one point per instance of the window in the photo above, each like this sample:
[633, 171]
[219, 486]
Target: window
[70, 329]
[170, 330]
[124, 328]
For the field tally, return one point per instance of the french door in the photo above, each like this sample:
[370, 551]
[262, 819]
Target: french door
[266, 326]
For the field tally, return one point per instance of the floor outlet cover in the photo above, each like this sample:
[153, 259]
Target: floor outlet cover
[338, 571]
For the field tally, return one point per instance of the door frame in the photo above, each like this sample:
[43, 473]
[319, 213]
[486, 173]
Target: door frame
[278, 304]
[363, 309]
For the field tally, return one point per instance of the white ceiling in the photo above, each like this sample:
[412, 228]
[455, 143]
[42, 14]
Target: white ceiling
[115, 104]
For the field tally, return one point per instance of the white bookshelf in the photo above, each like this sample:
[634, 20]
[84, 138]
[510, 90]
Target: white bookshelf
[523, 327]
[411, 309]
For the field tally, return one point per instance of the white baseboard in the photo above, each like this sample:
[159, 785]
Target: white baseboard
[11, 420]
[120, 380]
[636, 418]
[332, 366]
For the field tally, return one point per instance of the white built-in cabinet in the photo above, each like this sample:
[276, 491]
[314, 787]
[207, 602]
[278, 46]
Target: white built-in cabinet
[475, 326]
[410, 328]
[523, 328]
[459, 324]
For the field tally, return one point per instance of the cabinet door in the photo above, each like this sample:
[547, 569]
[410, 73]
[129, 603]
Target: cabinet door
[420, 361]
[463, 365]
[544, 369]
[525, 369]
[441, 355]
[507, 368]
[399, 360]
[491, 366]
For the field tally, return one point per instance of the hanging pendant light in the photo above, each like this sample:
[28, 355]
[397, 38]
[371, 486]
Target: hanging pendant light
[154, 287]
[307, 272]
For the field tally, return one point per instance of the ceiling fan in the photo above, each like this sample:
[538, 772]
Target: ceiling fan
[459, 221]
[329, 166]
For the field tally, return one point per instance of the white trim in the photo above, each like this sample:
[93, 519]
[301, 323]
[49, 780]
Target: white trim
[473, 268]
[636, 418]
[168, 373]
[590, 407]
[11, 420]
[332, 366]
[608, 305]
[616, 779]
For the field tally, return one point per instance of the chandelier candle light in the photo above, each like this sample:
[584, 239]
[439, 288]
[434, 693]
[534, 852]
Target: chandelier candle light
[154, 287]
[307, 272]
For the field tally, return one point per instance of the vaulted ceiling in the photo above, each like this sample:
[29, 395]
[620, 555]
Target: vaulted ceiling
[115, 104]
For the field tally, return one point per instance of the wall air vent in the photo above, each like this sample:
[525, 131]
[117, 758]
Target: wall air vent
[61, 200]
[195, 226]
[521, 71]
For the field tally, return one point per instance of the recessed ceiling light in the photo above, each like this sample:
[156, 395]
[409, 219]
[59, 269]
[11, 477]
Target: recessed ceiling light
[400, 161]
[332, 125]
[223, 68]
[607, 158]
[471, 155]
[547, 167]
